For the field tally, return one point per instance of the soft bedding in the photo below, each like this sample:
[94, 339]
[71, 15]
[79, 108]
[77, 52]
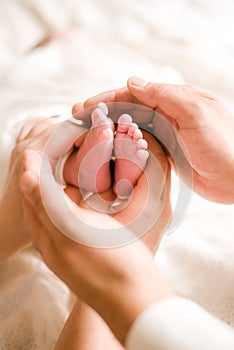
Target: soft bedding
[169, 41]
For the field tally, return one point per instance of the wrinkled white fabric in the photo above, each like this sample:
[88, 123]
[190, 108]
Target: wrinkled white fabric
[34, 304]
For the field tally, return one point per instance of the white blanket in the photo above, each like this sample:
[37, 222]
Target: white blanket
[167, 41]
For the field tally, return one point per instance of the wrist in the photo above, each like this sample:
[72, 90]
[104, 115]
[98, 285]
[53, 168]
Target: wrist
[219, 190]
[122, 305]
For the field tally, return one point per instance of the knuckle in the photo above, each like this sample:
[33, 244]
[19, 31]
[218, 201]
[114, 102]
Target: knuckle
[37, 199]
[18, 151]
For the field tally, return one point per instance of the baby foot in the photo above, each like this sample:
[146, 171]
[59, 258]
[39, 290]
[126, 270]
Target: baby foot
[89, 167]
[131, 155]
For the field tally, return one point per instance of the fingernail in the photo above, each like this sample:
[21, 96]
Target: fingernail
[74, 109]
[138, 82]
[77, 108]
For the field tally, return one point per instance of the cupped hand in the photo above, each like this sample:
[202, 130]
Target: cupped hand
[14, 231]
[106, 279]
[202, 122]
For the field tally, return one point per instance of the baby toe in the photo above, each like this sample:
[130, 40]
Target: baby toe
[137, 135]
[133, 127]
[124, 122]
[98, 117]
[142, 144]
[103, 107]
[143, 154]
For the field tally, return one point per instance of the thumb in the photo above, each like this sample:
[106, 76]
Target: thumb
[31, 165]
[144, 91]
[169, 99]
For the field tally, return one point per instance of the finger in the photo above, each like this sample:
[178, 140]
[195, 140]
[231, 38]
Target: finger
[159, 208]
[43, 125]
[27, 128]
[56, 137]
[32, 220]
[157, 178]
[173, 100]
[29, 186]
[64, 138]
[117, 95]
[31, 160]
[37, 126]
[39, 187]
[119, 101]
[77, 107]
[43, 233]
[37, 142]
[51, 201]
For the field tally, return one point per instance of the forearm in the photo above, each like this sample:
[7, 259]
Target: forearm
[121, 304]
[85, 330]
[12, 238]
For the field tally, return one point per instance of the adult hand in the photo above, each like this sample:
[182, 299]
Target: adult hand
[106, 279]
[14, 233]
[203, 123]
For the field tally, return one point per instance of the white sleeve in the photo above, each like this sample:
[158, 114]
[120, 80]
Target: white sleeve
[178, 324]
